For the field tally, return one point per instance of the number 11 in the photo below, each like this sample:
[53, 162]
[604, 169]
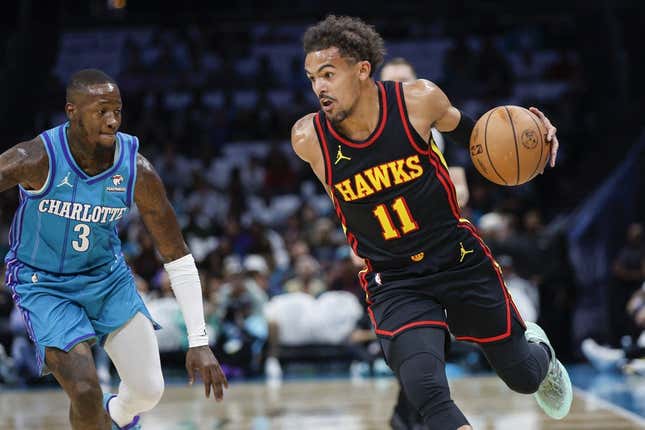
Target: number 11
[408, 224]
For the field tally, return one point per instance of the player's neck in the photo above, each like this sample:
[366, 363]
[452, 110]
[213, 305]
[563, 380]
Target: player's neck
[365, 116]
[90, 157]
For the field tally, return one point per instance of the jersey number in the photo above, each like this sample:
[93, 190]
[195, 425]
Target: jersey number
[400, 207]
[83, 242]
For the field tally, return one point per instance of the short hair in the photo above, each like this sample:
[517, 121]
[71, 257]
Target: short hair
[399, 61]
[354, 39]
[82, 79]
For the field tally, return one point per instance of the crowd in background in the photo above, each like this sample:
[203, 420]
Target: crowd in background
[213, 107]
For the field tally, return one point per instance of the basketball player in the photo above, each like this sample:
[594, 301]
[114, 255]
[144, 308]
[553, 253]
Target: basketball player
[400, 70]
[65, 266]
[397, 205]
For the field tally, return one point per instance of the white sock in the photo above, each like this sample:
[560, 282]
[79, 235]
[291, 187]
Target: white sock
[135, 354]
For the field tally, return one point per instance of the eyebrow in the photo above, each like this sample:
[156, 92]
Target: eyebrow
[321, 67]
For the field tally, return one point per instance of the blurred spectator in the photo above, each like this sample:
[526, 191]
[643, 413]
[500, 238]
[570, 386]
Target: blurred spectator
[628, 276]
[307, 277]
[525, 294]
[23, 350]
[241, 302]
[631, 356]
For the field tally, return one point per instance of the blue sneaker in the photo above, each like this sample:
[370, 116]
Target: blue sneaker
[134, 425]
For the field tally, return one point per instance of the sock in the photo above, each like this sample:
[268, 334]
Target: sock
[120, 415]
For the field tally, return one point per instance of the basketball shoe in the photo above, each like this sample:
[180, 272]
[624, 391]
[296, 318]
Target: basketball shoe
[555, 393]
[134, 425]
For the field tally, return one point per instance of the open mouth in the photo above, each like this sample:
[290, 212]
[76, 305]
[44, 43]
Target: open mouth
[326, 104]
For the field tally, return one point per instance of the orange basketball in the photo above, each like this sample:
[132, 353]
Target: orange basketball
[508, 145]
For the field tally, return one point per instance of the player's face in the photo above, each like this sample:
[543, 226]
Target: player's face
[397, 73]
[97, 114]
[336, 81]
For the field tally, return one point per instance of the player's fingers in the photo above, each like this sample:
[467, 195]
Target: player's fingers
[554, 151]
[537, 111]
[206, 378]
[191, 375]
[218, 390]
[221, 376]
[550, 128]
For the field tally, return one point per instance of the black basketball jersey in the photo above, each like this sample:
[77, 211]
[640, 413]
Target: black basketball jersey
[392, 191]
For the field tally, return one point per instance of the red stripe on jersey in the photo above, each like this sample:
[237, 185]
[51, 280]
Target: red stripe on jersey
[502, 286]
[442, 173]
[323, 139]
[389, 333]
[404, 120]
[379, 129]
[447, 184]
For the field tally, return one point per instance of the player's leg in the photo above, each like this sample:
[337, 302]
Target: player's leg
[134, 351]
[405, 416]
[417, 358]
[520, 364]
[526, 362]
[75, 372]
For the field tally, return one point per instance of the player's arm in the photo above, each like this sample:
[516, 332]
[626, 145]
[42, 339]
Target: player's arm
[305, 144]
[426, 101]
[160, 220]
[26, 164]
[458, 178]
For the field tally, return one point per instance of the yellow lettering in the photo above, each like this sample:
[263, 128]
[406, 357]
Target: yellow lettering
[362, 188]
[415, 167]
[400, 176]
[379, 177]
[345, 189]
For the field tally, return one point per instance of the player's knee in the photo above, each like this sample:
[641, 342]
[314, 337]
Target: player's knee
[86, 395]
[520, 379]
[149, 392]
[425, 383]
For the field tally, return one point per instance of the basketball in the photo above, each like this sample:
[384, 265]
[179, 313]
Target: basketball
[508, 145]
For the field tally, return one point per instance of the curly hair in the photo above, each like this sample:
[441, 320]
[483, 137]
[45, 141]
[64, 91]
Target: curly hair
[354, 39]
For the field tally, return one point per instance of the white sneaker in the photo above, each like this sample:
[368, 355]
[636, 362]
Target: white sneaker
[601, 357]
[635, 367]
[555, 393]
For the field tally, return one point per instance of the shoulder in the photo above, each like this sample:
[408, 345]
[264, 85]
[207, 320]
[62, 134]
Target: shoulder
[424, 97]
[29, 154]
[303, 136]
[144, 167]
[26, 163]
[423, 91]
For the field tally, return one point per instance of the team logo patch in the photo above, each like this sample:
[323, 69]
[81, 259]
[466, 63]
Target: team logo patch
[116, 180]
[418, 257]
[378, 279]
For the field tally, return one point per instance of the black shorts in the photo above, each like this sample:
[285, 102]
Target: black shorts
[467, 297]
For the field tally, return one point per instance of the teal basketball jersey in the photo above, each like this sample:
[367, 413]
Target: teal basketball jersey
[69, 225]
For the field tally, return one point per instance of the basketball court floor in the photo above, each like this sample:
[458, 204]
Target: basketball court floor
[342, 404]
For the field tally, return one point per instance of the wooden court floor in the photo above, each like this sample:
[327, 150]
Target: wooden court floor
[320, 405]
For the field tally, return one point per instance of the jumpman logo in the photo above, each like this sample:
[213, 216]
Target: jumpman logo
[340, 156]
[65, 181]
[463, 251]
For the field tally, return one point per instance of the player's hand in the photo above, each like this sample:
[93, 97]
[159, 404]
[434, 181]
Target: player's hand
[201, 358]
[550, 134]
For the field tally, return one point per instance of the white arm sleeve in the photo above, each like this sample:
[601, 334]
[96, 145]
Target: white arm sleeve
[186, 285]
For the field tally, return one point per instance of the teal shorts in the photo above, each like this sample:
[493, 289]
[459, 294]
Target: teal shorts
[60, 311]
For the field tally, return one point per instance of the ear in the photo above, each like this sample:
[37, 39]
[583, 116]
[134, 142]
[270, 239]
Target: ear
[364, 70]
[70, 110]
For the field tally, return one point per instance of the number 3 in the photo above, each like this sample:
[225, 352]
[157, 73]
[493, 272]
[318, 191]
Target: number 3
[83, 243]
